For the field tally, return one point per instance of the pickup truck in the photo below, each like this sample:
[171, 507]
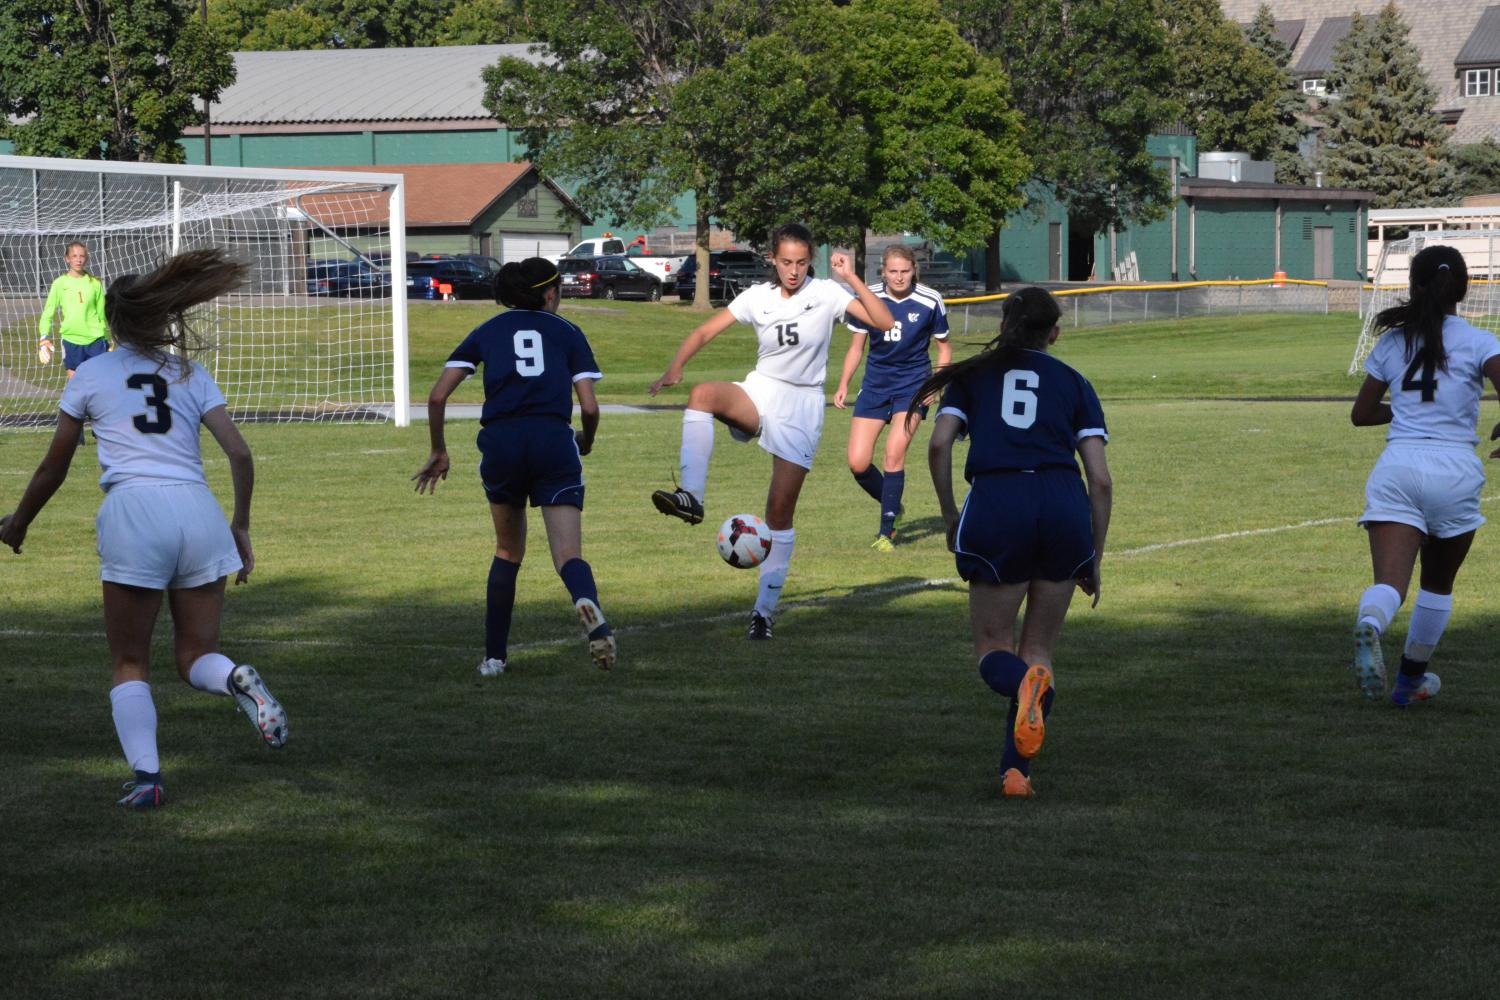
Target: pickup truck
[664, 267]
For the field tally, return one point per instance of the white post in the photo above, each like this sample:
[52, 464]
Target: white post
[176, 217]
[400, 351]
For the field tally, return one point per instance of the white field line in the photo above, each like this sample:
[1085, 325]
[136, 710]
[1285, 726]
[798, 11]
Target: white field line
[894, 588]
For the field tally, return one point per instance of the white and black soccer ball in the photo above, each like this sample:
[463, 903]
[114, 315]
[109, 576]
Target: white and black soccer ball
[744, 541]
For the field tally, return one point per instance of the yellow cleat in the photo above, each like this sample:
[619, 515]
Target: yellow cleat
[1030, 728]
[883, 543]
[1016, 785]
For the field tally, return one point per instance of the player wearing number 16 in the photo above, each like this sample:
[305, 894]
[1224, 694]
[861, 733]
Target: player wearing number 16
[534, 363]
[160, 530]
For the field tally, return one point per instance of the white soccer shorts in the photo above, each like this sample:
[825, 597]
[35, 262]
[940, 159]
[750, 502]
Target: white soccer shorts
[164, 536]
[1435, 489]
[791, 417]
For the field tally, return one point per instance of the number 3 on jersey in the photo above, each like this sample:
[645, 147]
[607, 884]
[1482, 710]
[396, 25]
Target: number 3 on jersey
[529, 360]
[158, 418]
[1018, 402]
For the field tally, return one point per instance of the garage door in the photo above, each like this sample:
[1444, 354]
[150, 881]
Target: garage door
[519, 246]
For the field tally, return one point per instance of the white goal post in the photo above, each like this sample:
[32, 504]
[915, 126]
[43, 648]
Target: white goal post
[319, 330]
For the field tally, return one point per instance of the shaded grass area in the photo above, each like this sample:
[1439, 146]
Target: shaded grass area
[1219, 814]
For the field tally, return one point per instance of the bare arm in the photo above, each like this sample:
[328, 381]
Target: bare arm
[940, 463]
[867, 308]
[588, 414]
[1101, 498]
[851, 364]
[436, 466]
[945, 353]
[695, 342]
[1368, 410]
[242, 475]
[49, 476]
[1492, 372]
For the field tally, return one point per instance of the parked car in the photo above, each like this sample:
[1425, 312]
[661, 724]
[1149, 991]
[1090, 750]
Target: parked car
[729, 273]
[489, 264]
[613, 277]
[423, 278]
[664, 266]
[347, 279]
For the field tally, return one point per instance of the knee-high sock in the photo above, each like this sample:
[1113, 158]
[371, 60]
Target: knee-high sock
[1010, 758]
[499, 604]
[1003, 672]
[1429, 616]
[578, 577]
[135, 723]
[697, 447]
[871, 481]
[890, 500]
[773, 571]
[1378, 605]
[210, 672]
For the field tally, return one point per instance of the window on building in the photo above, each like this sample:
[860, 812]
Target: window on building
[1315, 85]
[1476, 82]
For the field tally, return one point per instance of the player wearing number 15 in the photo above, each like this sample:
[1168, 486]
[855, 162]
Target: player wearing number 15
[1029, 530]
[160, 530]
[534, 363]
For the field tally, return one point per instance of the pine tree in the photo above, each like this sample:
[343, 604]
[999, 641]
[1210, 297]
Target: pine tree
[1382, 133]
[1290, 105]
[1226, 85]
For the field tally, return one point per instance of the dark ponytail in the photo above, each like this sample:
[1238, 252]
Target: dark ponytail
[148, 313]
[1439, 282]
[524, 285]
[1027, 317]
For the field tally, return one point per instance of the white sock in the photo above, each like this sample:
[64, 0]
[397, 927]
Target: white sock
[773, 572]
[1429, 616]
[697, 446]
[210, 672]
[1378, 605]
[135, 722]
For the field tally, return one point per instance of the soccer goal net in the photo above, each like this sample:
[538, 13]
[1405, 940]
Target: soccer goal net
[314, 334]
[1481, 250]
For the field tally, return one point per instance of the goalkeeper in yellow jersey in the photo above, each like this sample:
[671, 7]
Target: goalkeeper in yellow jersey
[78, 298]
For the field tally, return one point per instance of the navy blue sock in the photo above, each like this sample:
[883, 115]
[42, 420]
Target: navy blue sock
[578, 577]
[1411, 669]
[890, 501]
[1009, 758]
[1003, 672]
[499, 602]
[871, 481]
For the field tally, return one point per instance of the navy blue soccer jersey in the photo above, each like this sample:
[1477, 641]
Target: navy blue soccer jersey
[1030, 414]
[901, 351]
[531, 360]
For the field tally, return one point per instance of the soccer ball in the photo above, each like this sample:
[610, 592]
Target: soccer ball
[744, 541]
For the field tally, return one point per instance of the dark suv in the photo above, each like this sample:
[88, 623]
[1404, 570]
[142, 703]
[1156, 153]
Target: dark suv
[729, 273]
[610, 277]
[424, 279]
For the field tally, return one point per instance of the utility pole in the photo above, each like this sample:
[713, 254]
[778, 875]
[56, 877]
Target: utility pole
[208, 130]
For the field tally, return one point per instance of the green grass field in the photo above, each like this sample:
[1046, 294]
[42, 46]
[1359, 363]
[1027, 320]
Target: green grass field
[1219, 814]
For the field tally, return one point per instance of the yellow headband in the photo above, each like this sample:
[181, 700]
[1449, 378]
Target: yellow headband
[549, 281]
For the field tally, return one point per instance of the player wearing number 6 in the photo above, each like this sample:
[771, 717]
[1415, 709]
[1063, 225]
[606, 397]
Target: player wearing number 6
[1422, 497]
[160, 530]
[1029, 530]
[781, 401]
[898, 365]
[534, 362]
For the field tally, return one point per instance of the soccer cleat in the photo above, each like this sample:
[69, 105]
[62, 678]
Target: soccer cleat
[601, 638]
[679, 503]
[760, 627]
[1405, 690]
[1016, 785]
[145, 792]
[883, 543]
[491, 667]
[265, 712]
[1030, 728]
[1368, 667]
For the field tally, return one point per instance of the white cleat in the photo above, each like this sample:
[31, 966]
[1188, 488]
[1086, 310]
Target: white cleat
[492, 667]
[601, 638]
[265, 712]
[1368, 667]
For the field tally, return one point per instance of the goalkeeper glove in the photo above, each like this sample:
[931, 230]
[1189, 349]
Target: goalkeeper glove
[44, 351]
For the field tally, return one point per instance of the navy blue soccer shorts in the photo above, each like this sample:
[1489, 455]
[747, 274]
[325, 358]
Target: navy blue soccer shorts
[882, 398]
[530, 458]
[76, 354]
[1021, 526]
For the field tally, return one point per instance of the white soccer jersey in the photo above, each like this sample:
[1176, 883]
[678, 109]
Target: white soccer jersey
[793, 333]
[1445, 405]
[145, 416]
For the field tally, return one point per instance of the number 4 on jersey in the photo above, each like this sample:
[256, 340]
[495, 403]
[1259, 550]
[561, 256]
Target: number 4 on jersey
[1428, 383]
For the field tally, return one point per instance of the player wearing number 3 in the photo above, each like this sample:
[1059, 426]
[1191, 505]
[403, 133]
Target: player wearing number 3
[534, 362]
[781, 401]
[160, 528]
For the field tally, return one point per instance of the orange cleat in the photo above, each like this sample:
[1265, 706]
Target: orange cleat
[1016, 785]
[1030, 729]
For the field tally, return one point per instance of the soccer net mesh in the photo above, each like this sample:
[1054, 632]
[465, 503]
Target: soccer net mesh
[1389, 287]
[314, 334]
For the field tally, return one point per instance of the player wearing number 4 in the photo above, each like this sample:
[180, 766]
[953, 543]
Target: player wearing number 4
[160, 528]
[898, 365]
[781, 401]
[1029, 529]
[1422, 497]
[534, 362]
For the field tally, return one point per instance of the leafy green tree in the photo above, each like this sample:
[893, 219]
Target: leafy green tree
[1290, 104]
[1226, 85]
[1478, 166]
[1382, 134]
[483, 22]
[110, 79]
[283, 25]
[1093, 79]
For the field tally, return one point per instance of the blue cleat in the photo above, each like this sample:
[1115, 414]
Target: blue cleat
[1368, 667]
[145, 792]
[1407, 690]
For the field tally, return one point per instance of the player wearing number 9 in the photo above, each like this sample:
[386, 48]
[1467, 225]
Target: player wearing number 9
[160, 530]
[534, 363]
[1030, 529]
